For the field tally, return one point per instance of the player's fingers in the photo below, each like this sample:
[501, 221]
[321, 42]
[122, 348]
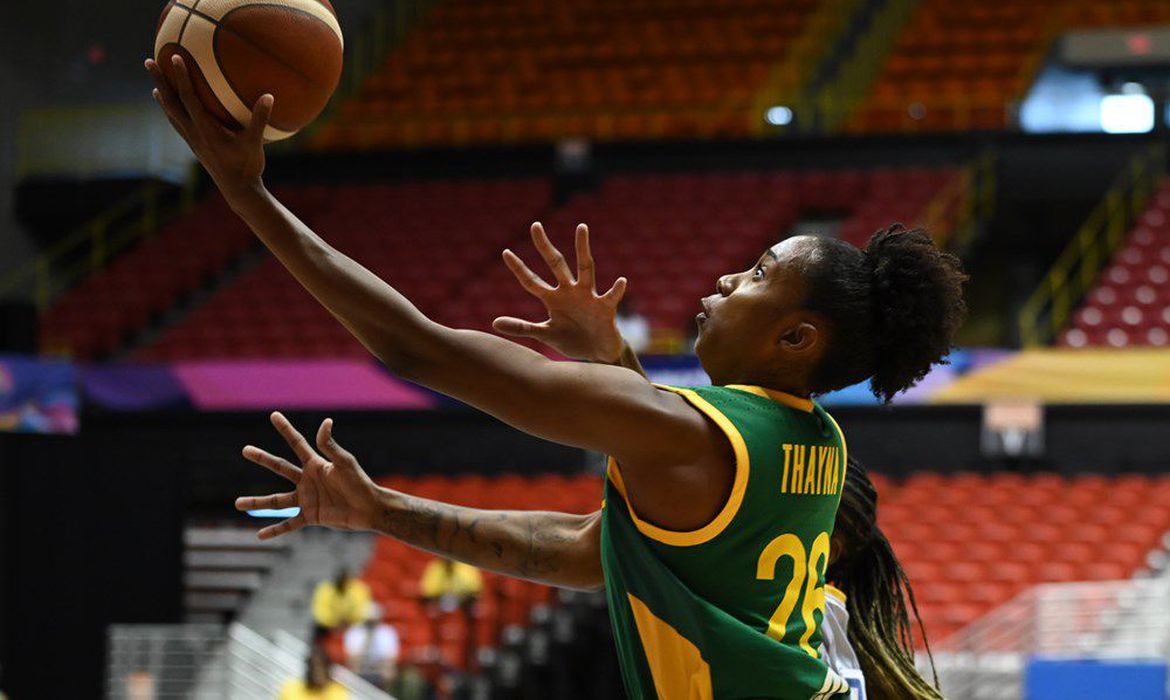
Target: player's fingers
[187, 96]
[616, 292]
[327, 444]
[273, 463]
[165, 95]
[261, 113]
[282, 528]
[276, 500]
[552, 257]
[300, 446]
[529, 280]
[178, 127]
[519, 328]
[585, 265]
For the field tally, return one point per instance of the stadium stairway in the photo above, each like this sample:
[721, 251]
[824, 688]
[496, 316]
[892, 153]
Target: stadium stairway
[1130, 303]
[284, 601]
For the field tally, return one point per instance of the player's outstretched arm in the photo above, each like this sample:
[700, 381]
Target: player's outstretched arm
[581, 323]
[591, 406]
[332, 490]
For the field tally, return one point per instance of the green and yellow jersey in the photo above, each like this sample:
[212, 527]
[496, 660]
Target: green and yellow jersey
[733, 609]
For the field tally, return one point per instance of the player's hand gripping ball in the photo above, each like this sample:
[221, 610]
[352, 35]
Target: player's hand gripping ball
[238, 50]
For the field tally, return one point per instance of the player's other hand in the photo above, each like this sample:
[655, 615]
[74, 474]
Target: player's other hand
[581, 323]
[234, 159]
[331, 490]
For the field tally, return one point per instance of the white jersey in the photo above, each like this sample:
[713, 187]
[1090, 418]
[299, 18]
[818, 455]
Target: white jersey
[838, 652]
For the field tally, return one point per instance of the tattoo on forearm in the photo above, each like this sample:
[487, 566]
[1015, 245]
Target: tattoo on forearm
[533, 545]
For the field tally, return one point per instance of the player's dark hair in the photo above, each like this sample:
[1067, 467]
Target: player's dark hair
[878, 596]
[894, 309]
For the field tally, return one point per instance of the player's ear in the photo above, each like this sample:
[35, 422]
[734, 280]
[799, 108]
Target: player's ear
[800, 338]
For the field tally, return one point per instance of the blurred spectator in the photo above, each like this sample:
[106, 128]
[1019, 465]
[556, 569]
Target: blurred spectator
[450, 584]
[633, 326]
[317, 684]
[339, 603]
[371, 650]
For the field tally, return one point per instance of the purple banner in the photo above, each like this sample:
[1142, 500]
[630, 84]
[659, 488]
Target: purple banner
[306, 384]
[37, 396]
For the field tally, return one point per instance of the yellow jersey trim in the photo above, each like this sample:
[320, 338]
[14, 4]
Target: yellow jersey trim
[835, 592]
[677, 666]
[779, 397]
[844, 450]
[708, 532]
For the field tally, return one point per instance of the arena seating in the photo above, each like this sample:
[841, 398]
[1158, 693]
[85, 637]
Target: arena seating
[97, 316]
[432, 238]
[960, 65]
[672, 235]
[957, 64]
[969, 543]
[1117, 13]
[531, 70]
[1130, 305]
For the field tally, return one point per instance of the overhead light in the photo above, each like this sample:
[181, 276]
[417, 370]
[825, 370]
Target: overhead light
[1127, 114]
[778, 115]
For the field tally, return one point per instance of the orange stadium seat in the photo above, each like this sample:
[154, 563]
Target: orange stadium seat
[960, 65]
[534, 71]
[1014, 531]
[955, 580]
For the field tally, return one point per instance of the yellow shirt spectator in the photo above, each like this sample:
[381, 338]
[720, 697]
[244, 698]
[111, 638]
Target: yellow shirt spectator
[336, 605]
[299, 690]
[444, 577]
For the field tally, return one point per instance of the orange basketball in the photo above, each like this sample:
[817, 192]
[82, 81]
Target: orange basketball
[238, 50]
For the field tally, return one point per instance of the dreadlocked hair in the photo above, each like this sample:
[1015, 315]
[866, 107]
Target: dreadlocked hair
[878, 592]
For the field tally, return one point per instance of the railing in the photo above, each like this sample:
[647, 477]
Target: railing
[1112, 619]
[366, 53]
[789, 77]
[209, 661]
[830, 109]
[1077, 268]
[955, 214]
[90, 248]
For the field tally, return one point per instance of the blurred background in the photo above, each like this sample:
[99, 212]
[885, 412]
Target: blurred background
[144, 333]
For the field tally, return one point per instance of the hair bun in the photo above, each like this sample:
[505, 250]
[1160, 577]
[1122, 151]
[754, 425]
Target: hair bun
[917, 304]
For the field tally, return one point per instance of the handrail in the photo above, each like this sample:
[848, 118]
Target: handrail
[99, 239]
[791, 75]
[140, 213]
[1076, 269]
[954, 214]
[366, 53]
[836, 102]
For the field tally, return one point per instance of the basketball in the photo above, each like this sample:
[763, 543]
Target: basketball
[238, 50]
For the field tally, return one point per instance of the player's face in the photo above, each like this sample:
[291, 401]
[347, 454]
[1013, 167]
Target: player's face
[742, 325]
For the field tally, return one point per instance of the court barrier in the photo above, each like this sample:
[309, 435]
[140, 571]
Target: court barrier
[209, 661]
[1076, 269]
[1092, 630]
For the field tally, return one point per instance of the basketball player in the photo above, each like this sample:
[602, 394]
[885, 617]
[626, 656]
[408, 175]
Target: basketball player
[714, 534]
[582, 325]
